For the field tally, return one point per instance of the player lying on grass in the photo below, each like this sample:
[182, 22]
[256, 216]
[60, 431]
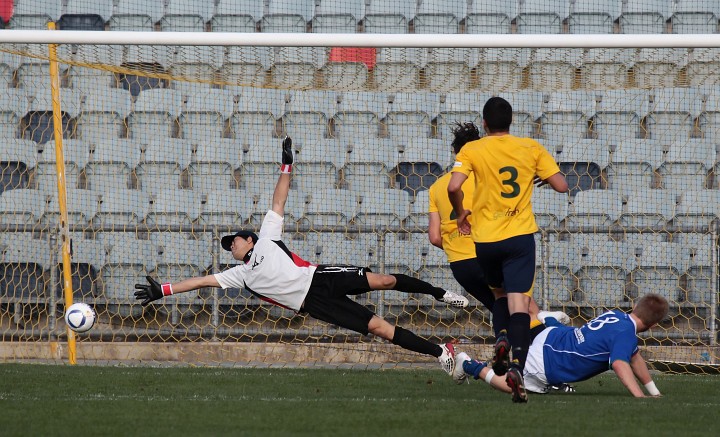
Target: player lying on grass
[567, 354]
[274, 274]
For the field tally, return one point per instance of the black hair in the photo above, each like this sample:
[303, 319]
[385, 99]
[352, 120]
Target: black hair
[497, 114]
[463, 133]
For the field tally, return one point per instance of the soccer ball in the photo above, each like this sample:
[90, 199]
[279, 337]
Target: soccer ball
[80, 317]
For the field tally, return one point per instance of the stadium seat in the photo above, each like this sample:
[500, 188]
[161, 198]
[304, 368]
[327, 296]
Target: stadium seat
[35, 14]
[287, 16]
[697, 210]
[659, 67]
[593, 16]
[542, 16]
[368, 165]
[228, 210]
[91, 80]
[603, 274]
[245, 66]
[695, 16]
[645, 16]
[410, 115]
[81, 15]
[550, 207]
[179, 258]
[659, 268]
[215, 166]
[186, 15]
[194, 66]
[633, 165]
[421, 162]
[18, 158]
[236, 16]
[500, 69]
[418, 216]
[348, 68]
[440, 16]
[389, 17]
[14, 105]
[111, 164]
[559, 272]
[155, 115]
[333, 16]
[24, 261]
[405, 253]
[330, 208]
[359, 114]
[448, 69]
[527, 109]
[103, 115]
[703, 64]
[460, 107]
[38, 122]
[163, 163]
[382, 209]
[127, 262]
[606, 68]
[308, 114]
[136, 15]
[672, 113]
[494, 16]
[554, 69]
[618, 114]
[398, 69]
[296, 67]
[648, 209]
[595, 208]
[206, 114]
[687, 165]
[82, 206]
[22, 207]
[257, 111]
[566, 116]
[701, 271]
[583, 162]
[260, 165]
[8, 64]
[88, 257]
[122, 208]
[295, 207]
[142, 57]
[709, 119]
[172, 207]
[317, 163]
[76, 154]
[349, 249]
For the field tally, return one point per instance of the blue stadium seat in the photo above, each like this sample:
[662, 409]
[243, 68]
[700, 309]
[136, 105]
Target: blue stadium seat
[76, 154]
[389, 17]
[593, 16]
[206, 114]
[695, 16]
[287, 16]
[542, 16]
[493, 16]
[136, 15]
[215, 165]
[35, 14]
[633, 165]
[236, 16]
[338, 16]
[186, 15]
[163, 163]
[81, 15]
[154, 115]
[359, 114]
[103, 115]
[688, 164]
[440, 16]
[645, 16]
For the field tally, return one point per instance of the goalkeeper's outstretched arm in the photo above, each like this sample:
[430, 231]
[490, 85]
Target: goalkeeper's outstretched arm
[153, 290]
[282, 187]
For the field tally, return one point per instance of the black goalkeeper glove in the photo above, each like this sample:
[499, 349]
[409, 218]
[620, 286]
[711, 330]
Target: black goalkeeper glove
[152, 292]
[287, 153]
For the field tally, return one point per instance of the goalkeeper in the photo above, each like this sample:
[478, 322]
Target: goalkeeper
[567, 354]
[271, 272]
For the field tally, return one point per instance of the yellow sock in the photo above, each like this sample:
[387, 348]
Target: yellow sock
[534, 323]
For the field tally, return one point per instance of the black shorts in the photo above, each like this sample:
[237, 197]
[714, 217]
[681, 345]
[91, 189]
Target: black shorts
[509, 263]
[328, 300]
[470, 276]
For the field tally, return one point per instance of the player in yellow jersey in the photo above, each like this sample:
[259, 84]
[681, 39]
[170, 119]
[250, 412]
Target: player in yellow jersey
[460, 249]
[502, 223]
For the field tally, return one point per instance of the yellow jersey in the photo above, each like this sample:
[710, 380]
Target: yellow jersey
[457, 247]
[504, 167]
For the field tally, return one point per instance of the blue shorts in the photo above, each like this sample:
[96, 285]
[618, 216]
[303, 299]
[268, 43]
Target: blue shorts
[509, 263]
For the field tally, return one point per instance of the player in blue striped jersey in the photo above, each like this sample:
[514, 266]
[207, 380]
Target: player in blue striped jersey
[565, 354]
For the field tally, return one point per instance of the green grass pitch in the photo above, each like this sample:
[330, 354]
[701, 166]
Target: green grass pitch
[48, 400]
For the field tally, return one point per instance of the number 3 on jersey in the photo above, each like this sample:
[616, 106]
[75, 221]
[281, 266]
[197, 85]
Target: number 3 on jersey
[510, 181]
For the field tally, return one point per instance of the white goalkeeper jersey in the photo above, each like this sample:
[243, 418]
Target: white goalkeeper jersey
[271, 272]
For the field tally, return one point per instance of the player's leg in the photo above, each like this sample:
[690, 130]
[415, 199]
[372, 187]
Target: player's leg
[408, 284]
[468, 274]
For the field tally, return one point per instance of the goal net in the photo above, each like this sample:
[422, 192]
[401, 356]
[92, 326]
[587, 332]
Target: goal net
[168, 146]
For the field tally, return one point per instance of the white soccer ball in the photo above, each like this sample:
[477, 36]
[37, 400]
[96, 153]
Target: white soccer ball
[80, 317]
